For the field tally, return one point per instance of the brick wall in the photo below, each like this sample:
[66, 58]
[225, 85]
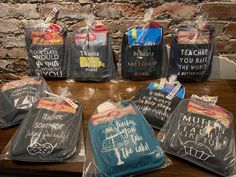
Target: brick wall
[117, 15]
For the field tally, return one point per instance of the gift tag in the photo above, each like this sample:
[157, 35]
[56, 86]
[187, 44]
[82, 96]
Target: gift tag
[69, 101]
[52, 15]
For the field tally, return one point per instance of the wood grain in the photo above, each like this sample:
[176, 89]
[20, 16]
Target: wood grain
[90, 95]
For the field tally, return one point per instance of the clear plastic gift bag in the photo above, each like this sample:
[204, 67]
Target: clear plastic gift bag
[91, 54]
[52, 131]
[158, 100]
[143, 52]
[120, 142]
[17, 97]
[192, 50]
[47, 51]
[201, 133]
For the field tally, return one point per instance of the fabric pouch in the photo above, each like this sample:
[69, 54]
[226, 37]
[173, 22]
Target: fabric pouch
[91, 55]
[203, 134]
[143, 53]
[51, 132]
[122, 141]
[191, 53]
[17, 97]
[47, 50]
[155, 104]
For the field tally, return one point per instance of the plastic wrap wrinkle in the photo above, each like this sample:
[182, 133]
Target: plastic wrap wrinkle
[121, 134]
[203, 134]
[52, 131]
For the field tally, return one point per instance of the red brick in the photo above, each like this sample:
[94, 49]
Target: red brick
[119, 10]
[219, 10]
[111, 25]
[219, 27]
[226, 46]
[13, 53]
[10, 76]
[73, 11]
[231, 30]
[13, 41]
[177, 10]
[19, 10]
[9, 26]
[20, 65]
[77, 25]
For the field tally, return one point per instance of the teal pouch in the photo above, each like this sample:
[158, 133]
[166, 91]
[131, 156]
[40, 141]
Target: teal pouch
[122, 142]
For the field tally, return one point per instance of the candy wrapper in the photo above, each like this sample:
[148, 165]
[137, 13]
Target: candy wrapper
[143, 52]
[192, 50]
[52, 131]
[91, 55]
[201, 133]
[46, 49]
[17, 97]
[158, 101]
[121, 142]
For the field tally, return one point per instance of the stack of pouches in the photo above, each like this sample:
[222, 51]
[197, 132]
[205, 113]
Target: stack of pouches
[122, 141]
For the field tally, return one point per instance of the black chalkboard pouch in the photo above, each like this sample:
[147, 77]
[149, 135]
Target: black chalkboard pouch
[17, 97]
[91, 54]
[52, 131]
[46, 49]
[143, 52]
[191, 52]
[158, 101]
[201, 133]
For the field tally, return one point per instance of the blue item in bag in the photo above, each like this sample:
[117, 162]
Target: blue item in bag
[144, 36]
[122, 141]
[168, 88]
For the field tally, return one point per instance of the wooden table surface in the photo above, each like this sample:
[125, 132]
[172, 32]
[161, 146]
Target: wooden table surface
[90, 95]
